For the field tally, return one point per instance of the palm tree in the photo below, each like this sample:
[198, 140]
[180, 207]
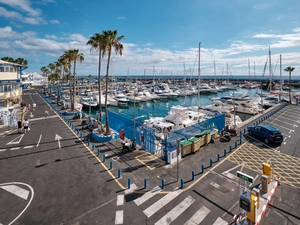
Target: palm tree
[290, 70]
[111, 42]
[21, 61]
[97, 42]
[73, 56]
[8, 59]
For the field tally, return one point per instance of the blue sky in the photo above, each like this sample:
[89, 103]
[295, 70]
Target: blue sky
[160, 34]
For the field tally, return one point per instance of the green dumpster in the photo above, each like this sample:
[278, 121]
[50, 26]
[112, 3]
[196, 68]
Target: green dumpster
[186, 147]
[195, 144]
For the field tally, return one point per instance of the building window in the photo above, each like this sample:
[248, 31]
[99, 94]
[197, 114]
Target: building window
[2, 69]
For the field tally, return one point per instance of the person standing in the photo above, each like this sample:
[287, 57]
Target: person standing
[26, 124]
[19, 126]
[33, 106]
[29, 106]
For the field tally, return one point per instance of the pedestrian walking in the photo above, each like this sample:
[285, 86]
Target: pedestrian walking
[19, 126]
[33, 106]
[29, 106]
[26, 125]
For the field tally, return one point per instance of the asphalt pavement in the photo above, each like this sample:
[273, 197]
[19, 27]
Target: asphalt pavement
[51, 175]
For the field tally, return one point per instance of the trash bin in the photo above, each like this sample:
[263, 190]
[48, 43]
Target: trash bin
[195, 144]
[186, 147]
[207, 138]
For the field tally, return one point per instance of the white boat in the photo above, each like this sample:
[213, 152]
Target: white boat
[87, 104]
[132, 98]
[122, 99]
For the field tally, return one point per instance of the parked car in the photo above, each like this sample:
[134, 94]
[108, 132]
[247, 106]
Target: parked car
[268, 133]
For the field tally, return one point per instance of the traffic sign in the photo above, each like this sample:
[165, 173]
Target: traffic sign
[245, 194]
[244, 177]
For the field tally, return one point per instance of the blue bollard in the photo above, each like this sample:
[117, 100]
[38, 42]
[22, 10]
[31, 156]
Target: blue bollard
[235, 144]
[84, 138]
[89, 142]
[193, 175]
[119, 173]
[98, 151]
[80, 134]
[181, 183]
[128, 183]
[244, 130]
[241, 134]
[202, 168]
[241, 140]
[104, 158]
[210, 162]
[145, 183]
[225, 152]
[162, 183]
[230, 148]
[111, 165]
[218, 156]
[93, 147]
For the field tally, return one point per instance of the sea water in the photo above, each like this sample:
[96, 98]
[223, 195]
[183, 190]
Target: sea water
[143, 110]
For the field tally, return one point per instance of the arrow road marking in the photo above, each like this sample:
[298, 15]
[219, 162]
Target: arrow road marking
[31, 115]
[57, 137]
[20, 192]
[17, 140]
[47, 112]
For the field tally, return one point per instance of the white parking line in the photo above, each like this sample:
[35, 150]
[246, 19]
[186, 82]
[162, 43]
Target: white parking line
[20, 192]
[120, 200]
[30, 146]
[119, 217]
[16, 148]
[2, 150]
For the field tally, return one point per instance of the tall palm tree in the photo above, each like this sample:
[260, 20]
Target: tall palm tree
[73, 56]
[21, 61]
[97, 42]
[290, 70]
[111, 42]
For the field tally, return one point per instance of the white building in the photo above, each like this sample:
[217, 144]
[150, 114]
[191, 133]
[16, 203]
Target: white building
[10, 90]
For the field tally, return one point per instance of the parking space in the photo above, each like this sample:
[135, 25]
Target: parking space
[150, 161]
[252, 156]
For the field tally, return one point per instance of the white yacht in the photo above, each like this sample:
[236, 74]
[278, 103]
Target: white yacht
[122, 99]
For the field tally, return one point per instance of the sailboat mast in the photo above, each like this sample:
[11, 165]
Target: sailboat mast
[199, 75]
[280, 77]
[249, 70]
[270, 68]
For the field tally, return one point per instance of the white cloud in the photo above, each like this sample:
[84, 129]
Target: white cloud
[24, 5]
[121, 18]
[54, 21]
[7, 32]
[50, 36]
[10, 14]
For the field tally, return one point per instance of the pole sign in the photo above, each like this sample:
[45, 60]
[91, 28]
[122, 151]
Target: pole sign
[244, 177]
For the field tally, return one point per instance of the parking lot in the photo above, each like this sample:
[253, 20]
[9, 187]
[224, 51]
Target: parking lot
[285, 158]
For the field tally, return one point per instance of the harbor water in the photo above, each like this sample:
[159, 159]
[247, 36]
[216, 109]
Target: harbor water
[144, 110]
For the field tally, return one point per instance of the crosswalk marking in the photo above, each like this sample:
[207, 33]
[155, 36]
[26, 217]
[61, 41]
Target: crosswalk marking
[16, 148]
[120, 200]
[119, 217]
[147, 196]
[198, 216]
[20, 192]
[176, 211]
[161, 203]
[2, 150]
[220, 221]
